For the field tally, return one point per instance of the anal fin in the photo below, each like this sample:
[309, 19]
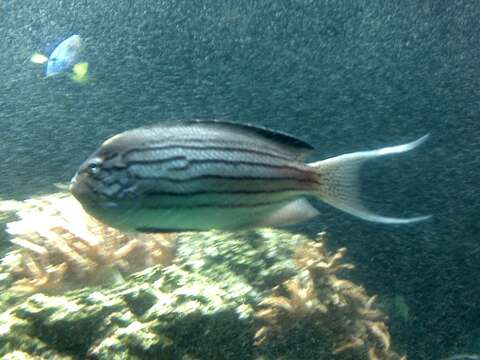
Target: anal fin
[296, 211]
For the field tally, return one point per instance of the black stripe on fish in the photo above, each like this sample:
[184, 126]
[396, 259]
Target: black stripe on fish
[218, 198]
[215, 206]
[213, 159]
[272, 153]
[206, 192]
[163, 230]
[218, 161]
[240, 180]
[224, 177]
[162, 161]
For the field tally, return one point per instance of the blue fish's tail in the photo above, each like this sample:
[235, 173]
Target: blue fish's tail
[38, 58]
[339, 182]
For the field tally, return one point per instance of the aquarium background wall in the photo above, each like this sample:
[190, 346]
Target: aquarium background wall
[342, 75]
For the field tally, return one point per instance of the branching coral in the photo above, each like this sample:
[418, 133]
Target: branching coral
[59, 244]
[337, 313]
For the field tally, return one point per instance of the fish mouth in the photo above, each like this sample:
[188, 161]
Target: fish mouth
[81, 190]
[51, 74]
[78, 188]
[73, 182]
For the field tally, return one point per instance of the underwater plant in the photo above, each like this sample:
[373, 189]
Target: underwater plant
[59, 246]
[334, 318]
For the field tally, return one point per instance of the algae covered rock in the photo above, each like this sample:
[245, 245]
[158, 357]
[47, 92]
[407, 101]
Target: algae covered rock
[200, 307]
[263, 294]
[60, 247]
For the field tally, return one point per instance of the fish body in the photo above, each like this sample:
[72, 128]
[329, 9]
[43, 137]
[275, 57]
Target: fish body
[64, 58]
[200, 175]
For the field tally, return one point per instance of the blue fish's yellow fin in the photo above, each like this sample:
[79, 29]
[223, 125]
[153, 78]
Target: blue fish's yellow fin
[38, 58]
[80, 72]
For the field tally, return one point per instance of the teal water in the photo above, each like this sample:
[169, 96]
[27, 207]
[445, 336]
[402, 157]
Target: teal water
[343, 76]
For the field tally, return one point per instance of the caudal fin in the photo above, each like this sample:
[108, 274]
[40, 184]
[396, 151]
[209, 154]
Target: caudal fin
[339, 181]
[38, 58]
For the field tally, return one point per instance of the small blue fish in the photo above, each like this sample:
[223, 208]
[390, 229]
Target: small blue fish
[64, 58]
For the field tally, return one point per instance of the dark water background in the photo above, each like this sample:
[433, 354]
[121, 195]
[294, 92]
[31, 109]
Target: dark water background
[343, 75]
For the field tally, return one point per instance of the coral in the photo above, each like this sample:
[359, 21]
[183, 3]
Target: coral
[337, 313]
[60, 246]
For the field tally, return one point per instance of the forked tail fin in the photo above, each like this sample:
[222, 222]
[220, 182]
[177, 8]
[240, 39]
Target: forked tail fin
[339, 182]
[38, 58]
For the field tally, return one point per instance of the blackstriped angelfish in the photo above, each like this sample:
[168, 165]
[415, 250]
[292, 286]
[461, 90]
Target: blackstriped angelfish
[200, 175]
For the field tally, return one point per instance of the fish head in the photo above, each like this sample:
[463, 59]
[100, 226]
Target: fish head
[103, 185]
[86, 182]
[64, 56]
[56, 66]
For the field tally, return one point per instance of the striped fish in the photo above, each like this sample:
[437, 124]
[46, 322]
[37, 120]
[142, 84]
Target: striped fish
[200, 175]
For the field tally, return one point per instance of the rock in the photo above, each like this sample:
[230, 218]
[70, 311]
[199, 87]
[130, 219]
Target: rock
[201, 307]
[206, 305]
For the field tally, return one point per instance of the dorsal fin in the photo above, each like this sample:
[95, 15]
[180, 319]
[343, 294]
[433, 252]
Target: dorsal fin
[299, 148]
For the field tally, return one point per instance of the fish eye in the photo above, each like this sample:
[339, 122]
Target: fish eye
[93, 167]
